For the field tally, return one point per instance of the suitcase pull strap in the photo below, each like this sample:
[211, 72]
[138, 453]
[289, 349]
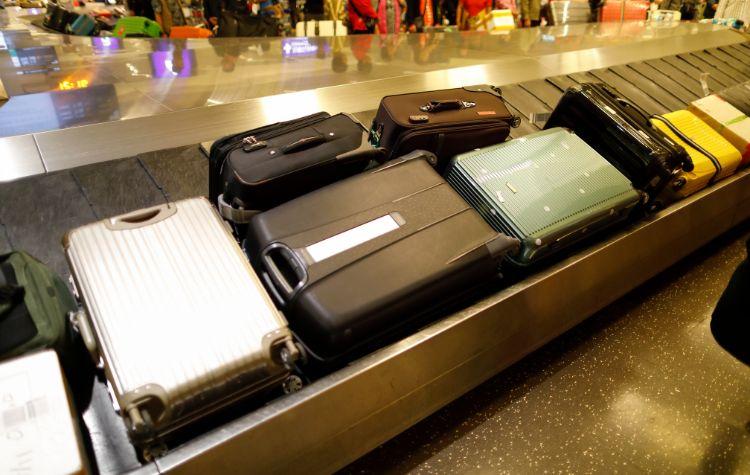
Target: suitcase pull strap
[303, 143]
[450, 105]
[692, 143]
[235, 215]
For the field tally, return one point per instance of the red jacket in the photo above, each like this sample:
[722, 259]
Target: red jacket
[360, 7]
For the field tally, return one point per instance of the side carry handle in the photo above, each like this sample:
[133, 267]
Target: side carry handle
[140, 218]
[79, 320]
[285, 270]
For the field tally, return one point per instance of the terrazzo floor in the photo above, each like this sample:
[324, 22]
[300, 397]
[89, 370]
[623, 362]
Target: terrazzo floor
[641, 387]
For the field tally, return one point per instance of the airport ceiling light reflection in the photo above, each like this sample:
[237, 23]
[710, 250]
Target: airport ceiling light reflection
[459, 77]
[658, 427]
[289, 106]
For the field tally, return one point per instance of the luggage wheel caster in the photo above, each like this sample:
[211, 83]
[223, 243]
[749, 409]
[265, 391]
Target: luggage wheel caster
[152, 452]
[292, 384]
[678, 183]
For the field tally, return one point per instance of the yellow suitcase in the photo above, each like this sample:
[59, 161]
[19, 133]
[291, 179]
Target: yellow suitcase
[684, 123]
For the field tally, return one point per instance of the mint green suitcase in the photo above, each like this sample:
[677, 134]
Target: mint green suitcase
[548, 189]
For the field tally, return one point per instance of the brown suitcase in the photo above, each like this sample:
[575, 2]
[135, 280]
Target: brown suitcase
[446, 122]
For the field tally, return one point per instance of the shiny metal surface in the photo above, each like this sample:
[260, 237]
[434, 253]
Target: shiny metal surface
[61, 149]
[20, 157]
[384, 393]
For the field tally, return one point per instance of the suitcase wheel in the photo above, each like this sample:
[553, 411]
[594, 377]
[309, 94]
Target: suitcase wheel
[678, 183]
[292, 384]
[151, 452]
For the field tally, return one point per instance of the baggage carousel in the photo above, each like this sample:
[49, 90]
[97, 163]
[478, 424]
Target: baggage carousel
[106, 168]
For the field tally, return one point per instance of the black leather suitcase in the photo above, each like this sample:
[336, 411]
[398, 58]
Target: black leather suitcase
[261, 168]
[373, 256]
[621, 132]
[445, 122]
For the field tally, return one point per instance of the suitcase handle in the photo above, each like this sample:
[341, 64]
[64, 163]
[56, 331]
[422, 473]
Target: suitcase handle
[449, 105]
[303, 143]
[141, 217]
[78, 318]
[286, 271]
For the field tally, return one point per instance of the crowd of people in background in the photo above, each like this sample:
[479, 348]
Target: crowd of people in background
[266, 17]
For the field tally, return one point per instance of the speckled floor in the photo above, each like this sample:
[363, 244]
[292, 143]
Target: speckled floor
[640, 387]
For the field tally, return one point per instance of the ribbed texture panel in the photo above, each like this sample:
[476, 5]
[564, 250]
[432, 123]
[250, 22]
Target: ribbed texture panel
[173, 303]
[701, 133]
[527, 185]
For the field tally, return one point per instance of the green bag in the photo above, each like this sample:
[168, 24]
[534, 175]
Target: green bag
[136, 26]
[34, 307]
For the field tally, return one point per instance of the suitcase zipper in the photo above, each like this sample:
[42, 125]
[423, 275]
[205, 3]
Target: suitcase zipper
[416, 132]
[691, 143]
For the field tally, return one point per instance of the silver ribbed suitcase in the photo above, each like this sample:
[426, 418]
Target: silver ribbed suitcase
[175, 314]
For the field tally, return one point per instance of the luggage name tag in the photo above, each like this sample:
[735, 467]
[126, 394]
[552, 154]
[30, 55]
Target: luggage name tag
[704, 84]
[353, 237]
[540, 118]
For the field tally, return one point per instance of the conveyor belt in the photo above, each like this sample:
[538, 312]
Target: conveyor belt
[687, 81]
[741, 54]
[731, 62]
[342, 415]
[704, 67]
[524, 102]
[561, 82]
[720, 65]
[660, 92]
[543, 91]
[714, 84]
[669, 83]
[631, 92]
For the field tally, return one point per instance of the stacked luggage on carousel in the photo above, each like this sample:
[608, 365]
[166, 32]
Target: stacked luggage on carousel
[323, 240]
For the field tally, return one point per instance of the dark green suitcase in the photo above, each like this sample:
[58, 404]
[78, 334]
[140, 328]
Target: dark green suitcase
[548, 189]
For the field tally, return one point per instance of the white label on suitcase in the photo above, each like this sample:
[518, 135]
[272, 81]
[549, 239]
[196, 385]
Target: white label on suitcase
[351, 238]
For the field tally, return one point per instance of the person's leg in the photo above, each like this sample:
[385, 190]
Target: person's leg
[730, 323]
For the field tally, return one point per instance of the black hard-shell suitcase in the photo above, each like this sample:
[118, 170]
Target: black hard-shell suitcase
[373, 256]
[259, 169]
[445, 122]
[621, 133]
[58, 18]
